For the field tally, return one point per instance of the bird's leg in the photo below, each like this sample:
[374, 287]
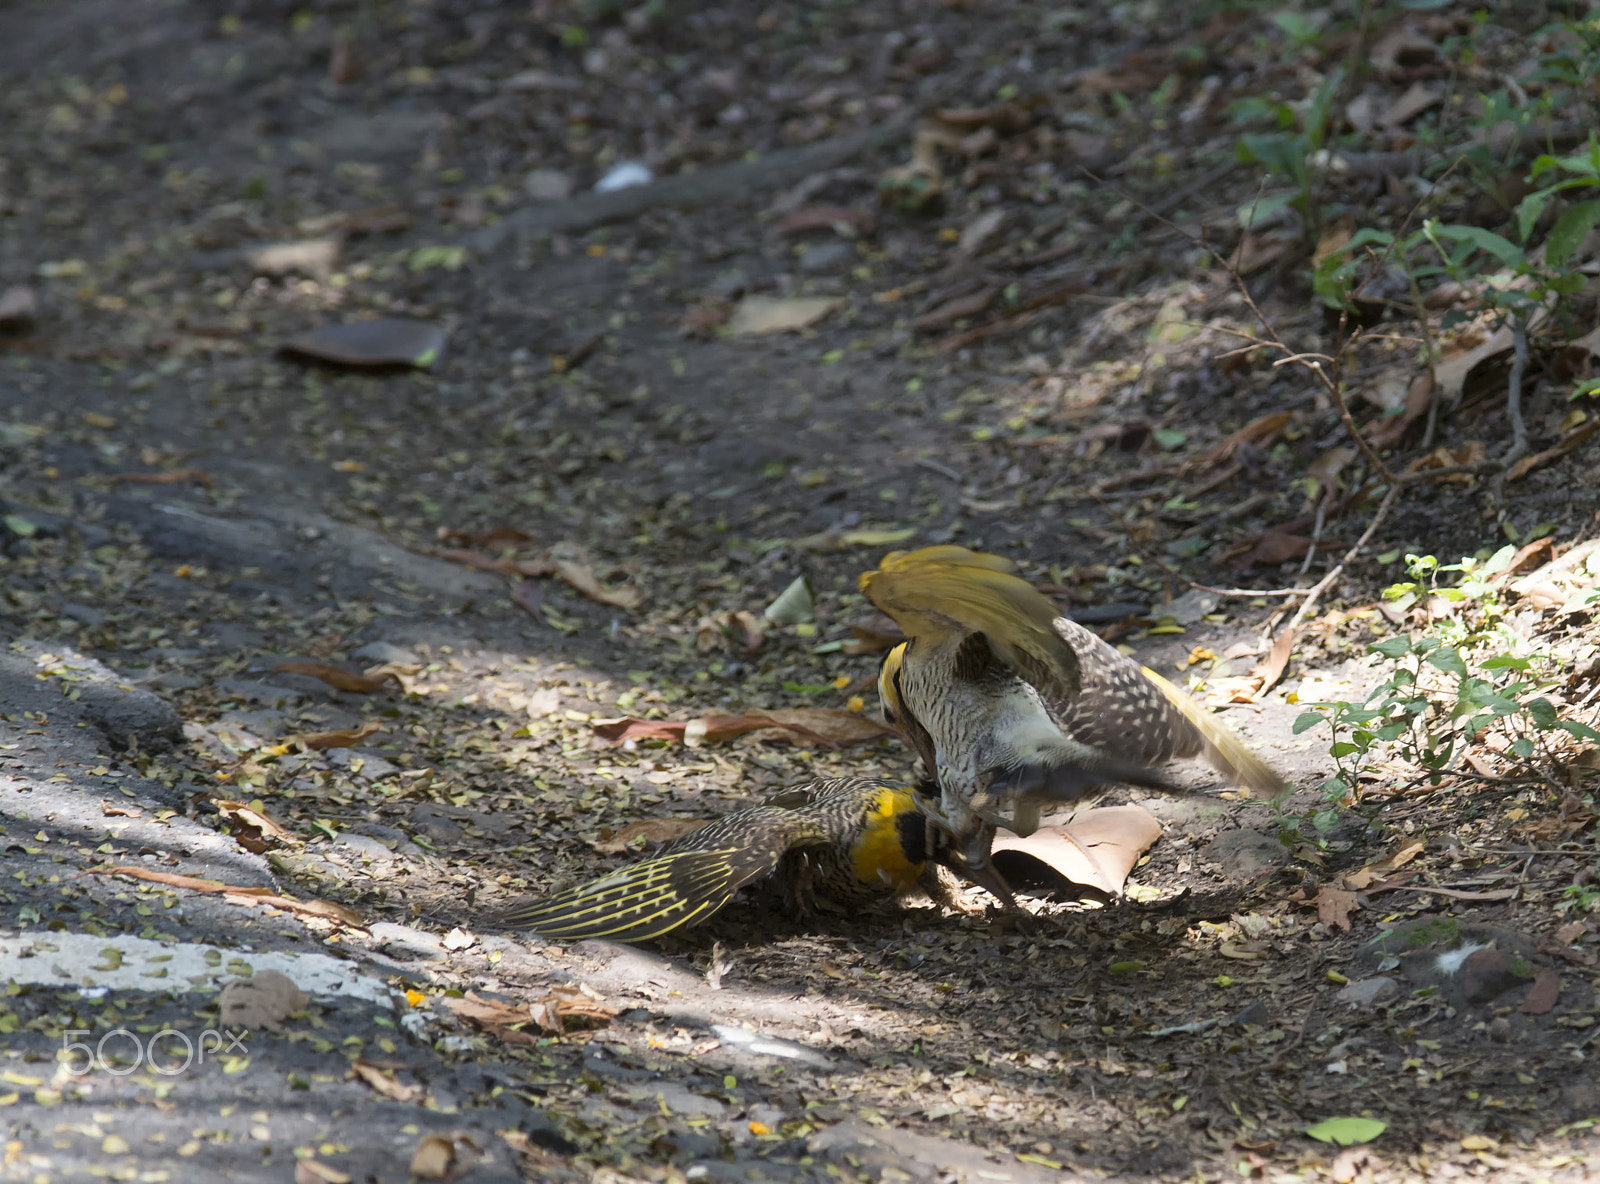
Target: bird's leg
[944, 889]
[988, 878]
[799, 889]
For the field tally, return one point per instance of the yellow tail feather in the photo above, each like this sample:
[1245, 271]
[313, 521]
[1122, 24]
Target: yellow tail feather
[1222, 750]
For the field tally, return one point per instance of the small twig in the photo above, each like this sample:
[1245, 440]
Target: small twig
[1519, 429]
[1323, 584]
[1349, 421]
[1316, 536]
[934, 466]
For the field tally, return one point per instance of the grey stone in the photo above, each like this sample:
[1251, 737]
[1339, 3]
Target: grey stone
[365, 847]
[1367, 991]
[104, 699]
[172, 680]
[748, 453]
[681, 1100]
[1487, 974]
[394, 840]
[248, 690]
[1190, 607]
[826, 256]
[405, 940]
[1246, 853]
[771, 1046]
[547, 185]
[84, 614]
[373, 766]
[382, 651]
[432, 821]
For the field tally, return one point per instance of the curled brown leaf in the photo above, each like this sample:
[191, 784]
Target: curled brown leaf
[340, 678]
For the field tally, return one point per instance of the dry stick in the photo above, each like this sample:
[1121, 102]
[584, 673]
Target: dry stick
[1519, 429]
[1323, 584]
[1432, 350]
[1313, 363]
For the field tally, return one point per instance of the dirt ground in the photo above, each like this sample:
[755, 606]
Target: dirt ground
[1036, 360]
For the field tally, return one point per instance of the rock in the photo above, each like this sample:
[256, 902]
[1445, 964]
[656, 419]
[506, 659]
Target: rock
[103, 697]
[405, 940]
[174, 680]
[392, 839]
[84, 614]
[363, 847]
[382, 651]
[1246, 854]
[432, 821]
[248, 690]
[1256, 1013]
[547, 185]
[828, 256]
[1188, 608]
[1486, 975]
[1368, 992]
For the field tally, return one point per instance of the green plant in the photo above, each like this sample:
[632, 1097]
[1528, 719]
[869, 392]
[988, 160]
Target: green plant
[1468, 673]
[1289, 150]
[1579, 898]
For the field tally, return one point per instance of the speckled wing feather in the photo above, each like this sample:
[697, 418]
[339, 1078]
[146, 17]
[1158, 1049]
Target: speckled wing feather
[1134, 712]
[650, 898]
[854, 828]
[940, 593]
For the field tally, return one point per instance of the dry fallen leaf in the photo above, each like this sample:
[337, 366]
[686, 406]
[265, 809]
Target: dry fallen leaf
[1543, 994]
[1364, 878]
[1273, 545]
[1270, 669]
[385, 1083]
[550, 1013]
[755, 316]
[528, 595]
[434, 1158]
[1453, 368]
[253, 830]
[1258, 431]
[264, 1000]
[655, 830]
[822, 725]
[459, 939]
[1391, 430]
[344, 738]
[581, 576]
[339, 678]
[1334, 906]
[265, 896]
[1098, 850]
[827, 724]
[310, 1171]
[1448, 458]
[871, 636]
[1566, 444]
[842, 220]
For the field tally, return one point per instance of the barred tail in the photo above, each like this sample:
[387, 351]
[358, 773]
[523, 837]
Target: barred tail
[648, 899]
[1219, 747]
